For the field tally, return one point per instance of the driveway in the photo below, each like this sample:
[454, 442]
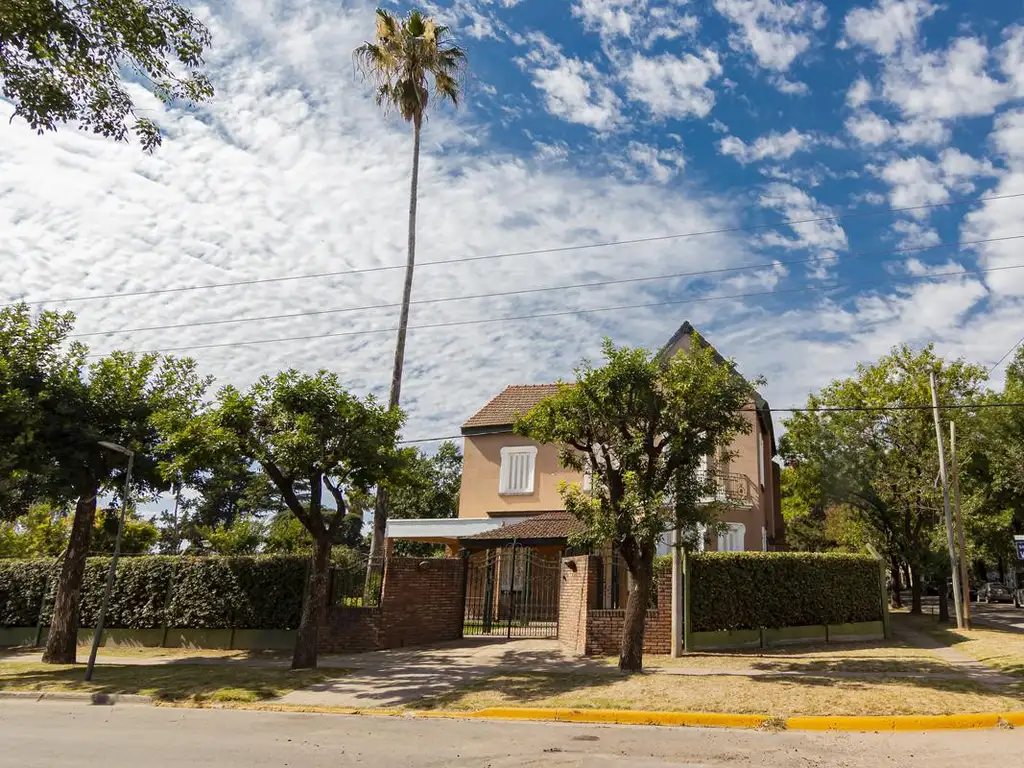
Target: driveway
[400, 676]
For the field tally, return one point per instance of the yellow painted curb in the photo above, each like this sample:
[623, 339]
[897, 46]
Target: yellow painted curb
[719, 720]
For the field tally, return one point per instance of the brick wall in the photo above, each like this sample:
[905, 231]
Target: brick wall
[579, 577]
[600, 633]
[421, 602]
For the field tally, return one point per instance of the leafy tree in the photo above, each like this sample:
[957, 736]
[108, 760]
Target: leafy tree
[408, 61]
[122, 398]
[41, 532]
[66, 62]
[642, 425]
[243, 536]
[138, 538]
[883, 463]
[428, 489]
[34, 359]
[304, 431]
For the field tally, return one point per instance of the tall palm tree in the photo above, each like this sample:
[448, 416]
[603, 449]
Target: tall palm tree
[408, 61]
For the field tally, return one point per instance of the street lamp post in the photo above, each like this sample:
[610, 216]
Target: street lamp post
[98, 634]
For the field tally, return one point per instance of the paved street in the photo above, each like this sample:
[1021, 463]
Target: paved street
[38, 735]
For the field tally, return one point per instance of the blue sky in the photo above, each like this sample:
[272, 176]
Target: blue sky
[586, 121]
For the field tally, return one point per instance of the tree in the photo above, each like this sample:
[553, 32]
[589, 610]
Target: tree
[304, 431]
[137, 538]
[877, 453]
[642, 425]
[66, 62]
[408, 60]
[122, 398]
[40, 532]
[428, 489]
[245, 535]
[34, 359]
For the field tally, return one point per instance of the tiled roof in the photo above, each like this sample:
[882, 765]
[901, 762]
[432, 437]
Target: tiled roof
[513, 402]
[549, 525]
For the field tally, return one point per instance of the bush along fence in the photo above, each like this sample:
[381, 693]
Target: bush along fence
[212, 602]
[735, 599]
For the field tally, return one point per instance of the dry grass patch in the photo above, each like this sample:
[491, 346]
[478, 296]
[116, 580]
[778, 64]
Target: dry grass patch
[772, 696]
[852, 658]
[147, 652]
[997, 648]
[170, 682]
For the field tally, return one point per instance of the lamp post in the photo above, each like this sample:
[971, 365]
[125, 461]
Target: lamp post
[98, 633]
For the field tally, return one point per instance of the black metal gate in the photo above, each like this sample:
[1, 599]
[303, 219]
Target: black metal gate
[512, 592]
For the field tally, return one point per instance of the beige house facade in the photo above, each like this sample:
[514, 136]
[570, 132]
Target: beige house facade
[507, 479]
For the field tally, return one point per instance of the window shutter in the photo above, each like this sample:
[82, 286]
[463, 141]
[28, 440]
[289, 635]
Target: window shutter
[518, 467]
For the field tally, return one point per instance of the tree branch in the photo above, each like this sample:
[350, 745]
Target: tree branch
[284, 485]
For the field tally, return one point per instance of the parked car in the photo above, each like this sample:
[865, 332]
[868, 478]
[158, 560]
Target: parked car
[973, 589]
[994, 592]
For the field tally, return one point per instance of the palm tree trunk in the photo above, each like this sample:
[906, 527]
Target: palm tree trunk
[380, 512]
[62, 642]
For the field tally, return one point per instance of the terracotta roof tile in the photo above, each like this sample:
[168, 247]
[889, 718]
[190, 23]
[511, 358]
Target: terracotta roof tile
[549, 525]
[513, 402]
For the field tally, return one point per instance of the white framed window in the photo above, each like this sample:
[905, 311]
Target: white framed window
[731, 539]
[760, 456]
[518, 467]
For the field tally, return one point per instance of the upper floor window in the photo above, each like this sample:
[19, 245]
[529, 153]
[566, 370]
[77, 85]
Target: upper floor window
[518, 467]
[731, 540]
[760, 456]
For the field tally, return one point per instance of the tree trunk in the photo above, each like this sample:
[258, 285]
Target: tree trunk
[304, 656]
[915, 589]
[943, 605]
[631, 656]
[1002, 570]
[380, 511]
[62, 643]
[895, 599]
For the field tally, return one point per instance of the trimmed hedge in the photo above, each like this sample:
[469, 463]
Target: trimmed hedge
[263, 592]
[754, 590]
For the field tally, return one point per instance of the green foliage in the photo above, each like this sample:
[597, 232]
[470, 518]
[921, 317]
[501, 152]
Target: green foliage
[65, 62]
[405, 57]
[753, 590]
[642, 426]
[262, 592]
[41, 532]
[244, 536]
[138, 537]
[881, 464]
[428, 488]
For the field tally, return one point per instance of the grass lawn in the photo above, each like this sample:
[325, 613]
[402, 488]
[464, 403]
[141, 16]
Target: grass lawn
[998, 648]
[168, 682]
[874, 657]
[773, 696]
[145, 652]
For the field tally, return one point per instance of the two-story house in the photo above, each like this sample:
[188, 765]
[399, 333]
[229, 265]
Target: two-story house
[510, 483]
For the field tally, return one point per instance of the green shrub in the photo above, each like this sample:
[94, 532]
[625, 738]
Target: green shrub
[257, 592]
[754, 590]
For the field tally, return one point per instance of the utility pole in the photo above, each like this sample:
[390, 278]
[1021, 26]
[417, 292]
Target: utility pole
[957, 597]
[965, 583]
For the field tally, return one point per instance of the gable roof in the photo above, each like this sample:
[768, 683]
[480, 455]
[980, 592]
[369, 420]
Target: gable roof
[546, 527]
[503, 410]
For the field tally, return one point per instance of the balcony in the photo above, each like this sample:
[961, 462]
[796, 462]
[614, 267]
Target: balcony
[729, 488]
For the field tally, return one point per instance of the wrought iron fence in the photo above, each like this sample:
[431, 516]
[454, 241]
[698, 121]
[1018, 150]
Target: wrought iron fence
[353, 584]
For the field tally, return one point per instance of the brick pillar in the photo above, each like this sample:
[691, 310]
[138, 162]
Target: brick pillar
[577, 593]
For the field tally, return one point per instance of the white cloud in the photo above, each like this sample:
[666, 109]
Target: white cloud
[790, 87]
[1008, 136]
[771, 146]
[574, 90]
[913, 234]
[636, 20]
[645, 162]
[823, 238]
[859, 93]
[888, 26]
[673, 86]
[775, 31]
[870, 129]
[916, 181]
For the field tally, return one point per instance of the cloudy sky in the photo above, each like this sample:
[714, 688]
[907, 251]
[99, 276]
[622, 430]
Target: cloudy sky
[584, 122]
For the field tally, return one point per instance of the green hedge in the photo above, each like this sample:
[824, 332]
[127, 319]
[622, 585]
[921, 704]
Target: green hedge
[754, 590]
[262, 592]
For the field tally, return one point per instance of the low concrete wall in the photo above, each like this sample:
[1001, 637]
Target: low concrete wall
[768, 638]
[219, 639]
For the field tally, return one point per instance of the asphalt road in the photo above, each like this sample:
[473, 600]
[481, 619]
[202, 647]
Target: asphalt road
[34, 735]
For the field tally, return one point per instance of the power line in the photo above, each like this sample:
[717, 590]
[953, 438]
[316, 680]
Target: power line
[595, 310]
[1008, 353]
[536, 252]
[526, 291]
[823, 409]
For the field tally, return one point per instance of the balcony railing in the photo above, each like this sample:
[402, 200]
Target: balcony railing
[729, 488]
